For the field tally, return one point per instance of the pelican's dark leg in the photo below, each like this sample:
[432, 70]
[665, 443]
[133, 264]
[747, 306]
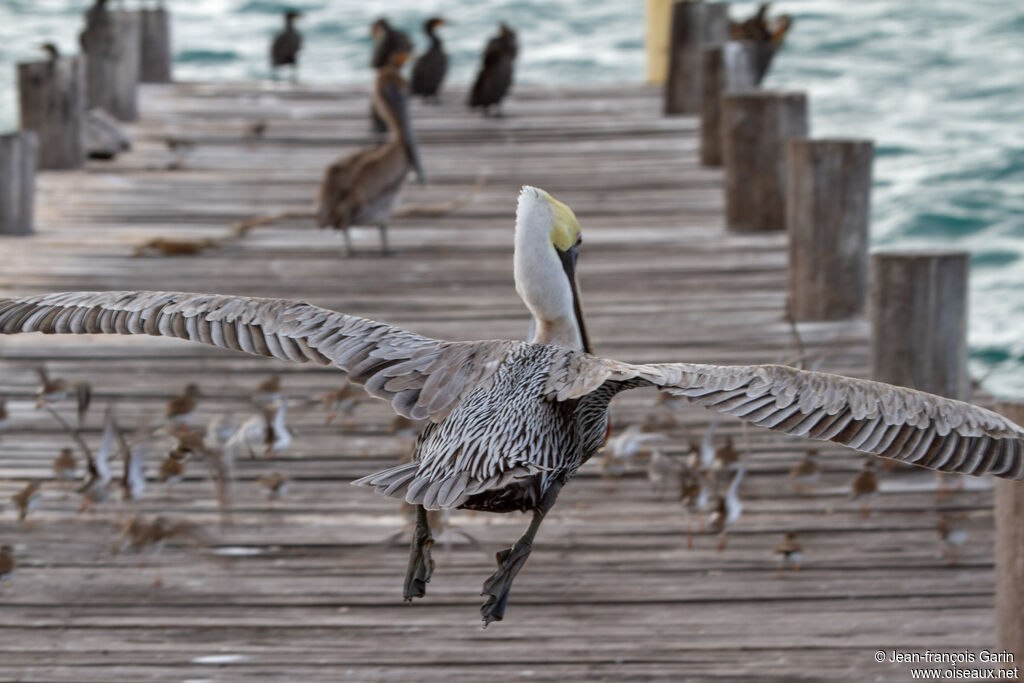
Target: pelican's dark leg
[385, 250]
[421, 565]
[348, 242]
[511, 560]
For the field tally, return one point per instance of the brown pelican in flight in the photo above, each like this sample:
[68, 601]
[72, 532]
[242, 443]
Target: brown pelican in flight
[510, 422]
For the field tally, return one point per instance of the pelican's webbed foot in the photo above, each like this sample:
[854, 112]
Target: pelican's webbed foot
[511, 560]
[496, 588]
[421, 565]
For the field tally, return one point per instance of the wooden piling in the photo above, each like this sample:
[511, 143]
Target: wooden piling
[51, 98]
[828, 198]
[18, 154]
[1009, 552]
[154, 45]
[111, 46]
[725, 67]
[756, 124]
[694, 25]
[658, 16]
[919, 321]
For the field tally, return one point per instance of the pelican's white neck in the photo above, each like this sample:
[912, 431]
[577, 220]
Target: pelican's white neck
[541, 280]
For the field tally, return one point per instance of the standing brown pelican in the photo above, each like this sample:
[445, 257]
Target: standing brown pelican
[391, 46]
[284, 51]
[360, 189]
[429, 70]
[495, 77]
[510, 422]
[766, 36]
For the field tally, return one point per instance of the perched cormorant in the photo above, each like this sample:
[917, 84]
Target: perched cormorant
[766, 35]
[495, 77]
[51, 50]
[361, 188]
[432, 65]
[284, 51]
[387, 41]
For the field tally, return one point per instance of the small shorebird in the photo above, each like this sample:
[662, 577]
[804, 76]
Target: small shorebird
[97, 484]
[662, 471]
[150, 537]
[695, 488]
[220, 430]
[284, 50]
[430, 68]
[65, 467]
[510, 422]
[790, 553]
[953, 530]
[276, 485]
[495, 76]
[726, 455]
[133, 476]
[806, 473]
[268, 391]
[344, 401]
[172, 468]
[267, 433]
[181, 410]
[864, 487]
[621, 450]
[27, 499]
[50, 390]
[725, 510]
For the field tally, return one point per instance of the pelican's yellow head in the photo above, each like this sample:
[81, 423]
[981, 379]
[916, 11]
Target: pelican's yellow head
[565, 228]
[548, 238]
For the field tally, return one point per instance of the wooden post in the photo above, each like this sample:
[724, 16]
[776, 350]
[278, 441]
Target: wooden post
[828, 197]
[919, 321]
[18, 153]
[694, 24]
[659, 21]
[154, 46]
[111, 46]
[51, 97]
[725, 67]
[1009, 515]
[755, 127]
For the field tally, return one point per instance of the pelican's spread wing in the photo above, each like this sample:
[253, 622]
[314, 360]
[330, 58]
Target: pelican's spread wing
[894, 422]
[421, 377]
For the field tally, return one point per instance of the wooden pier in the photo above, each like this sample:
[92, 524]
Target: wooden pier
[306, 588]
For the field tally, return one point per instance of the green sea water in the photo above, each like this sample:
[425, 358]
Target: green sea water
[938, 85]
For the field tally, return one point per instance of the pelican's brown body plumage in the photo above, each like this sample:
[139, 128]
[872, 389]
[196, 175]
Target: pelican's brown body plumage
[510, 422]
[361, 188]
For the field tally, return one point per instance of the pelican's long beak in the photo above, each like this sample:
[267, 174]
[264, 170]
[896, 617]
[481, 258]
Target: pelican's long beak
[400, 107]
[568, 259]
